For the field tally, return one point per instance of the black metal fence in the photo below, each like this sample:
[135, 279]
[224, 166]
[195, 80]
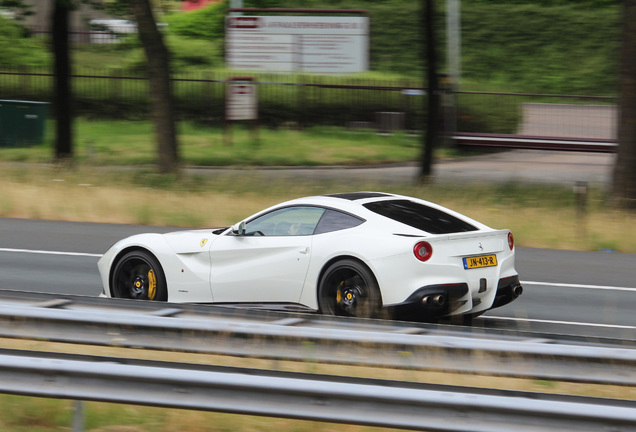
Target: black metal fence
[283, 99]
[306, 100]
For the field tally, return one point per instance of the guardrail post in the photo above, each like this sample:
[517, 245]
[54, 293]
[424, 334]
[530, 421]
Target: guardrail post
[78, 416]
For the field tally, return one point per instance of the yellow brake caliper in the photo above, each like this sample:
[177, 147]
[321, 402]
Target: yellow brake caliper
[152, 284]
[339, 293]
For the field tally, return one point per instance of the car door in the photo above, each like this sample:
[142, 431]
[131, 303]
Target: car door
[269, 261]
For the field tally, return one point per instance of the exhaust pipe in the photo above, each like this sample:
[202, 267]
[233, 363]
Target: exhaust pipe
[439, 299]
[434, 300]
[517, 291]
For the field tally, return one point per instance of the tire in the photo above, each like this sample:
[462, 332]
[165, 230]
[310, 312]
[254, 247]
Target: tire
[138, 275]
[348, 288]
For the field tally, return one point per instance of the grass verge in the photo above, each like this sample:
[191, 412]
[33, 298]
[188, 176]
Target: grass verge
[99, 143]
[539, 216]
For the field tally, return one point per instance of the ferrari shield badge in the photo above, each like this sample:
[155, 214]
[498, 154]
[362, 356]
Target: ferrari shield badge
[203, 242]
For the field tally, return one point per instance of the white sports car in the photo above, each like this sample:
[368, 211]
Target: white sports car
[356, 254]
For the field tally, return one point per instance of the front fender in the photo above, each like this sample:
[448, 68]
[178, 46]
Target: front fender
[151, 242]
[187, 269]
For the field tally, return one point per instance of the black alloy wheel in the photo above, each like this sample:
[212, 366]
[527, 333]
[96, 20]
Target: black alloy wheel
[138, 275]
[348, 288]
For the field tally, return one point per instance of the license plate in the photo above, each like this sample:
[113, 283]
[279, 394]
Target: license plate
[480, 261]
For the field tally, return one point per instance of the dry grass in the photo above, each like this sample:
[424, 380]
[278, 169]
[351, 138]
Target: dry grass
[539, 217]
[81, 196]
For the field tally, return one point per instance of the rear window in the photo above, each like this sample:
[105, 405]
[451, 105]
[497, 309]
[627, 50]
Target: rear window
[420, 216]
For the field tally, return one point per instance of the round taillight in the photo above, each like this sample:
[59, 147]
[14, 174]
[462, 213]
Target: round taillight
[511, 241]
[423, 251]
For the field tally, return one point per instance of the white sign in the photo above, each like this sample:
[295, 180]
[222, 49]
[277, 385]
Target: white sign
[315, 44]
[241, 102]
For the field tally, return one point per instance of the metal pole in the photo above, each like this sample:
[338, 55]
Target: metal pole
[236, 4]
[78, 416]
[453, 41]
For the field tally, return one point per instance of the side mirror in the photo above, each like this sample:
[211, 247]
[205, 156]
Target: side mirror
[239, 228]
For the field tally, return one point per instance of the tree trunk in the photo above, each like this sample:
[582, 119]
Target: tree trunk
[63, 93]
[160, 85]
[624, 184]
[431, 137]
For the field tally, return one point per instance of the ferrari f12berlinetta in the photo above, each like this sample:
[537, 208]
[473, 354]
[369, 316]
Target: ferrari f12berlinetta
[352, 254]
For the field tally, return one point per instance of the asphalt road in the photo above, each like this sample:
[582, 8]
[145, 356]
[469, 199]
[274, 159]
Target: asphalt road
[521, 166]
[573, 292]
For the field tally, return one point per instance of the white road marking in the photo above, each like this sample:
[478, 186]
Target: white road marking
[43, 252]
[566, 285]
[616, 326]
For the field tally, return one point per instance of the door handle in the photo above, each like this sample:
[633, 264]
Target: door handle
[304, 251]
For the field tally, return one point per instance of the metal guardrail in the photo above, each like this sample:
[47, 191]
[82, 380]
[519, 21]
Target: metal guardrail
[310, 397]
[535, 143]
[296, 337]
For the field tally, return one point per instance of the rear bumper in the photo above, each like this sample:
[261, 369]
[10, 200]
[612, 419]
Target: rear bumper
[433, 301]
[436, 301]
[508, 289]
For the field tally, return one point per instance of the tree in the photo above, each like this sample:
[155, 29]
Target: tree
[62, 71]
[624, 181]
[432, 136]
[158, 69]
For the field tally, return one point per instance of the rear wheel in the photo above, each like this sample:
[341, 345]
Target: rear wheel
[138, 275]
[348, 288]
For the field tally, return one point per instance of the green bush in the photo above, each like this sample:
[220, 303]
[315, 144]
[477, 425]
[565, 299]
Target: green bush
[563, 49]
[17, 50]
[206, 23]
[185, 54]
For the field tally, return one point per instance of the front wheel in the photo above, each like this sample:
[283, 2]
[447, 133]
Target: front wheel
[348, 288]
[138, 275]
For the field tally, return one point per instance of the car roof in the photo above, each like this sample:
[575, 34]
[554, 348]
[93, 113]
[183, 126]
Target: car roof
[354, 203]
[349, 201]
[353, 196]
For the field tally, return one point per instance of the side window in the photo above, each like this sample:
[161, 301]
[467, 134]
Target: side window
[334, 220]
[286, 222]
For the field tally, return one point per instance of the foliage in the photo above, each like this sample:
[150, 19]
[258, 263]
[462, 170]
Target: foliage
[558, 49]
[206, 23]
[19, 8]
[185, 54]
[578, 3]
[19, 50]
[551, 46]
[534, 46]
